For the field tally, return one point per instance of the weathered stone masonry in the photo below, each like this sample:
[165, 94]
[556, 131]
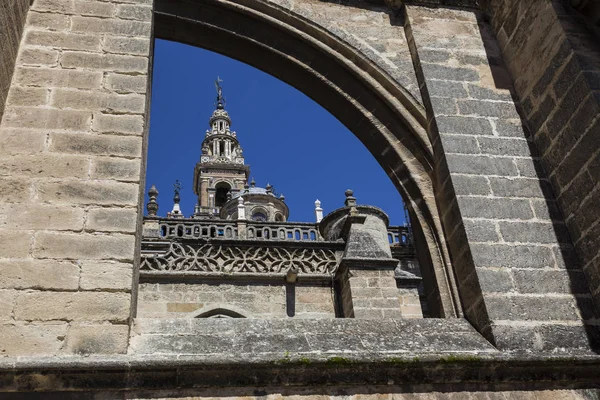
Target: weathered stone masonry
[12, 20]
[72, 160]
[485, 119]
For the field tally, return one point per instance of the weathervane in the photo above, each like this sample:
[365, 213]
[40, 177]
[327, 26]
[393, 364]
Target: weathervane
[220, 98]
[177, 189]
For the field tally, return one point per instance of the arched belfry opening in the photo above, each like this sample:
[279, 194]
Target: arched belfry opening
[382, 114]
[223, 189]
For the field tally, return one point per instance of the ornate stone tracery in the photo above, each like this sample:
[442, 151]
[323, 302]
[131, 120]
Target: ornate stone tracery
[234, 259]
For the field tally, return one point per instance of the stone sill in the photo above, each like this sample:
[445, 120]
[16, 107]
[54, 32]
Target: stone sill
[455, 370]
[190, 353]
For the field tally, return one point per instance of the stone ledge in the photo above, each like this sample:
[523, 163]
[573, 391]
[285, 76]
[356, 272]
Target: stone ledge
[449, 371]
[194, 353]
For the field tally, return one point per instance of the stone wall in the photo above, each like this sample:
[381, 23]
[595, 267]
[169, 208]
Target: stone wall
[179, 300]
[512, 253]
[72, 151]
[554, 59]
[12, 20]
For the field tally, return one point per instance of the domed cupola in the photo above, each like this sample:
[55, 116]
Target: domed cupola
[260, 205]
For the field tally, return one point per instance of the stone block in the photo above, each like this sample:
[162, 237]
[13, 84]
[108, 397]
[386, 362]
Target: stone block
[464, 125]
[509, 256]
[449, 89]
[127, 45]
[483, 108]
[583, 151]
[521, 187]
[111, 26]
[442, 106]
[97, 339]
[134, 11]
[465, 185]
[104, 62]
[435, 71]
[533, 232]
[63, 40]
[47, 21]
[495, 280]
[110, 145]
[42, 216]
[544, 281]
[32, 339]
[126, 83]
[569, 105]
[112, 220]
[22, 96]
[547, 209]
[484, 93]
[88, 192]
[481, 231]
[45, 166]
[85, 247]
[73, 306]
[7, 304]
[509, 128]
[495, 208]
[481, 165]
[94, 8]
[31, 117]
[58, 78]
[14, 190]
[504, 146]
[53, 6]
[92, 100]
[529, 168]
[458, 144]
[39, 274]
[38, 56]
[529, 308]
[124, 124]
[19, 141]
[119, 169]
[583, 118]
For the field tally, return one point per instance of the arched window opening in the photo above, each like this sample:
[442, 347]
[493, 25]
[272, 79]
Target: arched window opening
[275, 152]
[221, 195]
[259, 216]
[220, 313]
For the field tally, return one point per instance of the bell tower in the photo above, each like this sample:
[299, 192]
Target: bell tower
[221, 172]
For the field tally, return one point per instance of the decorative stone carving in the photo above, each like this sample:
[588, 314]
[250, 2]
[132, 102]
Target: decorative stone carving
[231, 259]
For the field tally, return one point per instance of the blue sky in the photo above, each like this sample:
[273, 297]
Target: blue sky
[289, 140]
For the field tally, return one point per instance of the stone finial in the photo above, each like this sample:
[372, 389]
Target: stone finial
[318, 211]
[252, 183]
[176, 211]
[282, 197]
[152, 205]
[350, 199]
[269, 188]
[246, 186]
[241, 208]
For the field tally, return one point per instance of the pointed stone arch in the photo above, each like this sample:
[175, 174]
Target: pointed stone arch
[381, 113]
[221, 310]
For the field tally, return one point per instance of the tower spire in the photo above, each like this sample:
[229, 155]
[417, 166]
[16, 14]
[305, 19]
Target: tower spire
[220, 104]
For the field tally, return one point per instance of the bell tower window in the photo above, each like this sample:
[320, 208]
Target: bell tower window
[221, 194]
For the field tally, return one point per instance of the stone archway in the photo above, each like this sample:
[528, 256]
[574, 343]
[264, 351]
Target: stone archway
[385, 116]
